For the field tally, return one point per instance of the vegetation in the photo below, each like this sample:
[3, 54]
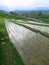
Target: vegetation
[44, 60]
[31, 15]
[8, 53]
[39, 52]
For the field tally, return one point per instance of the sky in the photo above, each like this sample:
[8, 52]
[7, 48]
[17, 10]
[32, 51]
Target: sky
[23, 4]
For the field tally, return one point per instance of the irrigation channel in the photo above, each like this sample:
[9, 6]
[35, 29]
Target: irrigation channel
[32, 46]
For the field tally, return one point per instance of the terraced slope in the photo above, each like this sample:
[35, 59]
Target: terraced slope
[8, 53]
[38, 29]
[32, 46]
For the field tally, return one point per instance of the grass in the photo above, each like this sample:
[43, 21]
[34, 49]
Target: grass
[8, 53]
[45, 20]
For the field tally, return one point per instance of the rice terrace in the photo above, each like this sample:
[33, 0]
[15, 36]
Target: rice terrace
[24, 34]
[23, 42]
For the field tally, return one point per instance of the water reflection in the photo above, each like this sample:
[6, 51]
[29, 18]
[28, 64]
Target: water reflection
[41, 28]
[28, 43]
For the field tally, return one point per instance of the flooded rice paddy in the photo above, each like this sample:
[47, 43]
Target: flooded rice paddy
[33, 47]
[41, 28]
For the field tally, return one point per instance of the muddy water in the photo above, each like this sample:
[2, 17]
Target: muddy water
[32, 46]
